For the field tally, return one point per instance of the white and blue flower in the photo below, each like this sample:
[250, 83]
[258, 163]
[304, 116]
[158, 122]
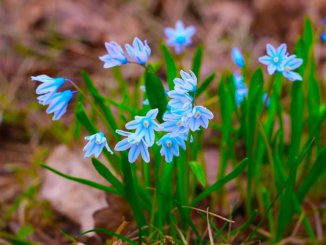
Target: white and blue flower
[95, 145]
[290, 64]
[115, 57]
[170, 146]
[180, 36]
[274, 58]
[187, 82]
[58, 103]
[237, 57]
[48, 84]
[139, 51]
[200, 118]
[176, 121]
[135, 144]
[180, 100]
[145, 126]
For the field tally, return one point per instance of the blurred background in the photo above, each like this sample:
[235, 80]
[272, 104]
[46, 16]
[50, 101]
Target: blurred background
[63, 37]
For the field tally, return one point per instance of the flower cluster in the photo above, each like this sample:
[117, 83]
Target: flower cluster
[49, 95]
[143, 137]
[182, 115]
[179, 37]
[139, 52]
[278, 60]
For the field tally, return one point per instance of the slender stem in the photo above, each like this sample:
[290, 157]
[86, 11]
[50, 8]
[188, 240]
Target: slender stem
[147, 68]
[89, 101]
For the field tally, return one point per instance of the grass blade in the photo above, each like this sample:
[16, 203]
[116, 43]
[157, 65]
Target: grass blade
[205, 84]
[81, 180]
[171, 68]
[106, 174]
[109, 233]
[198, 171]
[221, 182]
[197, 61]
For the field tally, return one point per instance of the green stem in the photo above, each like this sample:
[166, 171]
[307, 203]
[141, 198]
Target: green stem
[132, 195]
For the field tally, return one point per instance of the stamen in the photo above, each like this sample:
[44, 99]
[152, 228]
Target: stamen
[276, 59]
[169, 143]
[146, 124]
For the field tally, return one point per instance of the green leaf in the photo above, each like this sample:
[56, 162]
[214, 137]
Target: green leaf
[308, 34]
[14, 239]
[82, 181]
[205, 84]
[221, 182]
[155, 93]
[197, 61]
[25, 231]
[106, 174]
[254, 106]
[198, 171]
[109, 233]
[297, 108]
[171, 68]
[317, 170]
[226, 93]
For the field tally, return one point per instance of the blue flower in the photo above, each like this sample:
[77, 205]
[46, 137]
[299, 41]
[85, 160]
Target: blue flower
[49, 84]
[180, 36]
[179, 100]
[139, 51]
[290, 64]
[323, 37]
[115, 56]
[58, 103]
[44, 99]
[200, 117]
[170, 146]
[237, 57]
[135, 145]
[95, 145]
[145, 126]
[176, 121]
[187, 82]
[241, 90]
[274, 58]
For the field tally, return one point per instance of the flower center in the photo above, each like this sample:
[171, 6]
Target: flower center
[276, 59]
[180, 39]
[169, 143]
[197, 115]
[287, 68]
[179, 123]
[146, 124]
